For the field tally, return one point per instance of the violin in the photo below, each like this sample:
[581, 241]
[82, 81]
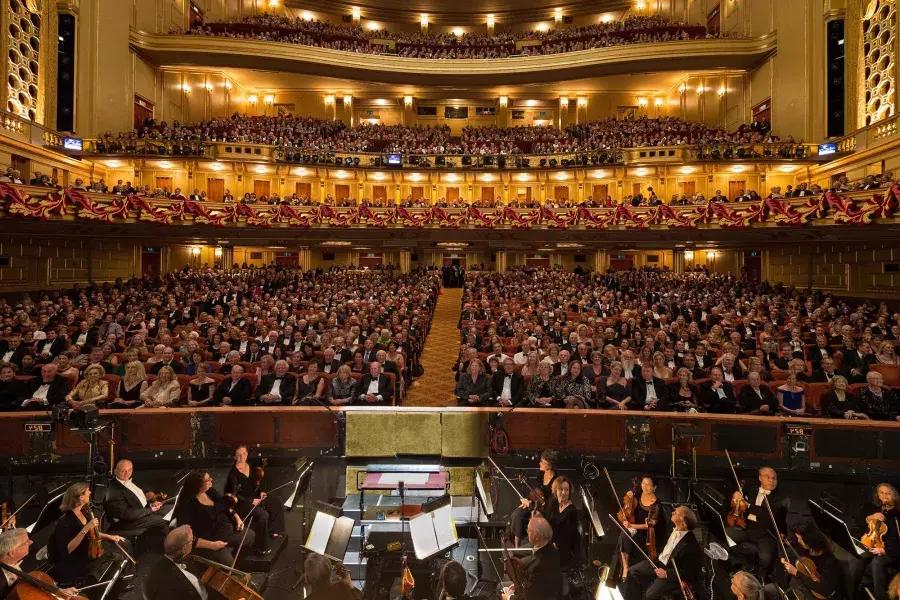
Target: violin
[535, 495]
[156, 497]
[36, 585]
[95, 544]
[652, 516]
[874, 537]
[514, 568]
[803, 563]
[4, 514]
[739, 506]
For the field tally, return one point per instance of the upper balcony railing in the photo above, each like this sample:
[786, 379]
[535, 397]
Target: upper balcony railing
[29, 132]
[241, 151]
[697, 54]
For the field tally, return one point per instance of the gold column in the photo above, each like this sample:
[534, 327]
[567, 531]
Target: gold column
[678, 261]
[601, 261]
[304, 259]
[405, 261]
[501, 261]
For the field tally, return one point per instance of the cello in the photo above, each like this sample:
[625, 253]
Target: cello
[227, 581]
[36, 585]
[514, 568]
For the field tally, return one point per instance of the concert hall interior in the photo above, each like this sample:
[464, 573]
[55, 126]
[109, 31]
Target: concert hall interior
[420, 299]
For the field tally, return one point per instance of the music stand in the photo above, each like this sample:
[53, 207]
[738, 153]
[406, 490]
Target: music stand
[685, 431]
[836, 529]
[330, 533]
[433, 530]
[483, 496]
[717, 525]
[588, 500]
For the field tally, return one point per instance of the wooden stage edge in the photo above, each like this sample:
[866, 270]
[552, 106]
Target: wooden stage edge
[203, 431]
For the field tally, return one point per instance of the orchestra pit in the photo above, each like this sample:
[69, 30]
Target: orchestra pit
[494, 299]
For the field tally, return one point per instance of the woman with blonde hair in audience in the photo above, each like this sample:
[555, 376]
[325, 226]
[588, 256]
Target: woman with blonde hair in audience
[164, 391]
[473, 387]
[659, 366]
[266, 366]
[342, 388]
[791, 396]
[158, 350]
[615, 390]
[90, 391]
[886, 354]
[530, 368]
[201, 387]
[129, 355]
[131, 385]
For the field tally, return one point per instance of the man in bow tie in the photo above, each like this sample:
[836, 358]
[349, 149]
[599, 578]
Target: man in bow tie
[507, 386]
[129, 510]
[756, 543]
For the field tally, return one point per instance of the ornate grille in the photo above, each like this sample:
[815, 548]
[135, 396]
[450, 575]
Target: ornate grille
[878, 49]
[22, 80]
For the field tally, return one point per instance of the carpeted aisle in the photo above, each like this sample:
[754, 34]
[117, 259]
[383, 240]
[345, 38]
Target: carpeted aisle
[436, 386]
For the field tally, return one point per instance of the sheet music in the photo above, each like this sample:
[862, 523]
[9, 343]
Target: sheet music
[406, 478]
[319, 533]
[483, 495]
[595, 519]
[433, 532]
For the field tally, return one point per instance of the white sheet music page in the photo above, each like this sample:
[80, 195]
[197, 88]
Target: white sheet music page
[320, 532]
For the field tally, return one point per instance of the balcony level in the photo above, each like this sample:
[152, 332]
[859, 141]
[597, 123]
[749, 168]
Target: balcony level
[688, 55]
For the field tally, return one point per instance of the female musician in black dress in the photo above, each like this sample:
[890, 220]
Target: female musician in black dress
[243, 484]
[521, 515]
[217, 527]
[70, 543]
[563, 517]
[647, 515]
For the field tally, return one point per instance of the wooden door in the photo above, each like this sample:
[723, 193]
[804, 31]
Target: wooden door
[635, 189]
[621, 262]
[735, 187]
[261, 187]
[600, 192]
[537, 261]
[151, 259]
[487, 194]
[454, 259]
[164, 183]
[287, 259]
[561, 193]
[523, 194]
[688, 188]
[143, 110]
[215, 189]
[303, 189]
[417, 192]
[452, 194]
[379, 193]
[23, 166]
[341, 191]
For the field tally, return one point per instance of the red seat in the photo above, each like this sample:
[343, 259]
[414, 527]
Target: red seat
[253, 379]
[891, 374]
[113, 383]
[814, 393]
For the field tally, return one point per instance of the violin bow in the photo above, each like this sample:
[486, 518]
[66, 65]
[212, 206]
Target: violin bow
[781, 541]
[681, 583]
[241, 545]
[250, 512]
[734, 473]
[613, 487]
[631, 539]
[511, 484]
[52, 590]
[15, 512]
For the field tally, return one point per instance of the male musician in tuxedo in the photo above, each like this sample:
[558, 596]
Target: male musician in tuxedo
[507, 386]
[279, 387]
[648, 392]
[648, 581]
[758, 539]
[127, 507]
[234, 389]
[14, 546]
[47, 390]
[169, 579]
[376, 387]
[756, 398]
[542, 571]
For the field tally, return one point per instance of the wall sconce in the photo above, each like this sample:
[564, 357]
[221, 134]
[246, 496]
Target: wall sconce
[451, 177]
[186, 88]
[542, 27]
[164, 164]
[642, 102]
[348, 100]
[217, 166]
[712, 254]
[558, 15]
[687, 170]
[688, 255]
[407, 101]
[228, 85]
[640, 5]
[415, 177]
[564, 102]
[599, 174]
[487, 177]
[269, 99]
[657, 102]
[700, 90]
[582, 101]
[490, 21]
[273, 3]
[260, 169]
[423, 20]
[217, 252]
[722, 91]
[355, 13]
[641, 172]
[329, 100]
[682, 88]
[504, 101]
[208, 86]
[342, 174]
[307, 16]
[562, 176]
[252, 99]
[459, 31]
[195, 251]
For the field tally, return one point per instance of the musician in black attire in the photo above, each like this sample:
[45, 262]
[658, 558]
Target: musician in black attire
[648, 509]
[650, 581]
[217, 527]
[520, 516]
[887, 511]
[541, 570]
[757, 540]
[828, 570]
[563, 517]
[14, 547]
[127, 507]
[169, 579]
[267, 512]
[453, 582]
